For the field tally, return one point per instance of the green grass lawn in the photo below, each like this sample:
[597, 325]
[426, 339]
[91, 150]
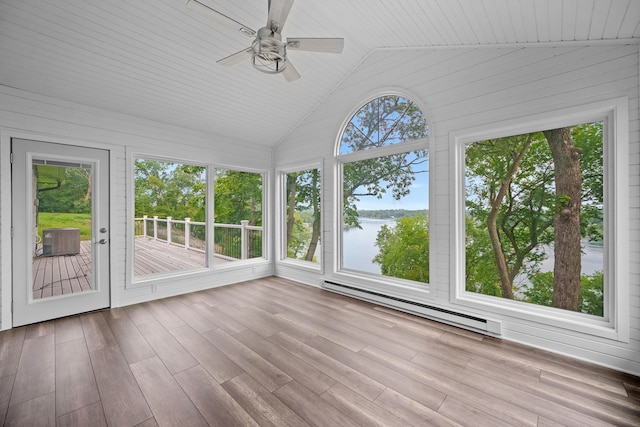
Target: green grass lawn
[66, 220]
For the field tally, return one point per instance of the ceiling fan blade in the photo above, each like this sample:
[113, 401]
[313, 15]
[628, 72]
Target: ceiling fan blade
[236, 57]
[290, 73]
[316, 44]
[278, 12]
[221, 19]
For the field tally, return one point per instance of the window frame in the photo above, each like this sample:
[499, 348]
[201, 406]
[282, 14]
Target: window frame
[614, 115]
[266, 253]
[281, 212]
[133, 282]
[401, 288]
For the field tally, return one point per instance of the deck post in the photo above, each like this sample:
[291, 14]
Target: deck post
[244, 244]
[168, 230]
[144, 225]
[155, 227]
[187, 232]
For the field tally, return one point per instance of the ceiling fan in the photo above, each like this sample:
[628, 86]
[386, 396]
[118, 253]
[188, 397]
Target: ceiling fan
[268, 52]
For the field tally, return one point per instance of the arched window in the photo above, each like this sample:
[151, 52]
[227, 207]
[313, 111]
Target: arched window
[384, 164]
[384, 121]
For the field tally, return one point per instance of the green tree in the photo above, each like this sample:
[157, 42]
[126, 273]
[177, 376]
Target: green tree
[566, 218]
[298, 238]
[528, 191]
[169, 189]
[404, 249]
[509, 182]
[384, 121]
[237, 196]
[71, 195]
[374, 177]
[591, 292]
[303, 196]
[481, 274]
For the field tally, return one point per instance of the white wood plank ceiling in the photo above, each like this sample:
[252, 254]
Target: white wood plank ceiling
[157, 60]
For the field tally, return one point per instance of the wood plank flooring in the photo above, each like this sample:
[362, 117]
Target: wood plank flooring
[272, 352]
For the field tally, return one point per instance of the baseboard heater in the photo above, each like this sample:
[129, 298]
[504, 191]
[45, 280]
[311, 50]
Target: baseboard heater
[439, 314]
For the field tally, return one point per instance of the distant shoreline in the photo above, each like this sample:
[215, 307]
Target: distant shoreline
[390, 213]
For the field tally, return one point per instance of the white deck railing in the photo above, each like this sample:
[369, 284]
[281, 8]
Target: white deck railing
[231, 241]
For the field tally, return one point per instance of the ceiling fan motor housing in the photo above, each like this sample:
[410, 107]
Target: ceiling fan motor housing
[269, 53]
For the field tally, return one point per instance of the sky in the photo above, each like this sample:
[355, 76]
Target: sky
[417, 199]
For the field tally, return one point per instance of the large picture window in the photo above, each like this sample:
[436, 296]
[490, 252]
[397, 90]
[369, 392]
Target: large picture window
[303, 215]
[238, 213]
[541, 212]
[534, 218]
[385, 197]
[170, 213]
[173, 204]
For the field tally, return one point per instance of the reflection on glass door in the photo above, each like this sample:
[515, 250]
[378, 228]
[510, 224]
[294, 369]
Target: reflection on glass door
[62, 259]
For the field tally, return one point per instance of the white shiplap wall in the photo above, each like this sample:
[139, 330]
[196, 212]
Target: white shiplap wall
[468, 87]
[32, 116]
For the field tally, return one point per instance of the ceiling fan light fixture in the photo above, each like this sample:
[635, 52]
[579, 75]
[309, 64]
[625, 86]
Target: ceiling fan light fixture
[269, 55]
[268, 52]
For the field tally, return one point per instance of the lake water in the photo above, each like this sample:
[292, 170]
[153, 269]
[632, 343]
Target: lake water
[359, 245]
[359, 249]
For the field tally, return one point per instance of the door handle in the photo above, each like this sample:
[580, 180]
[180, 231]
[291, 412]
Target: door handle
[102, 241]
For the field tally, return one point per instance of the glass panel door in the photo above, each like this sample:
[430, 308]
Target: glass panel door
[62, 250]
[60, 202]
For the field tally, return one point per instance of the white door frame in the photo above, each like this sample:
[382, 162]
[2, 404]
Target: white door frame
[6, 255]
[26, 308]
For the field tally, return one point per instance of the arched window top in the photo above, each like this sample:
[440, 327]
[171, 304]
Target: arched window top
[384, 121]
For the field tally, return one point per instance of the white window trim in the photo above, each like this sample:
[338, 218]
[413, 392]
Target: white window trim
[281, 210]
[614, 114]
[392, 286]
[132, 281]
[266, 217]
[380, 93]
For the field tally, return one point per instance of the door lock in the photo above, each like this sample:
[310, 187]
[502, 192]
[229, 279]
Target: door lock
[102, 241]
[103, 230]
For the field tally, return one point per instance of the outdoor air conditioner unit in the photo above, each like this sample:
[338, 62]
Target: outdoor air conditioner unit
[60, 241]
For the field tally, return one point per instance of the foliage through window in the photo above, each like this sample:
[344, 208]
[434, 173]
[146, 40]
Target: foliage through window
[303, 215]
[170, 212]
[385, 197]
[534, 218]
[384, 121]
[238, 231]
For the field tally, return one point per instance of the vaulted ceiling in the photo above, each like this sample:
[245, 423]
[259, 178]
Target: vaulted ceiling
[156, 59]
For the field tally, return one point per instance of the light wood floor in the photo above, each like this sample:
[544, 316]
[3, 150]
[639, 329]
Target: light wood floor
[273, 352]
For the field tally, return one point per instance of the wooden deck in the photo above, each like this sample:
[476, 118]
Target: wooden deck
[272, 352]
[60, 275]
[156, 256]
[64, 274]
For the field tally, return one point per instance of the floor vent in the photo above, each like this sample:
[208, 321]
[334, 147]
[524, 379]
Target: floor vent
[439, 314]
